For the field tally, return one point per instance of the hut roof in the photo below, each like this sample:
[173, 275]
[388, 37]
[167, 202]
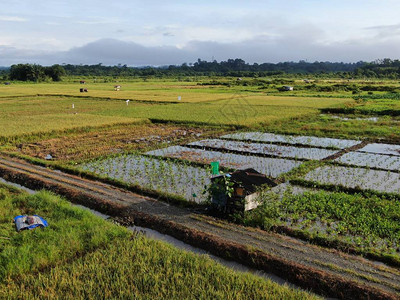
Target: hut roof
[250, 179]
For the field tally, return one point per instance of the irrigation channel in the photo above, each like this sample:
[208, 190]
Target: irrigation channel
[326, 272]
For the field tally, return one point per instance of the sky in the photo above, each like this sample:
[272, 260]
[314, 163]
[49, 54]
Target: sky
[155, 32]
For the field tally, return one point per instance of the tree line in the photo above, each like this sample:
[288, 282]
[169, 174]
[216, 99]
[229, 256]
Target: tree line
[33, 72]
[384, 68]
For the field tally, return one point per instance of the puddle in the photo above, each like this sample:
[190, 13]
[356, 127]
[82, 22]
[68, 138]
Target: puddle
[266, 149]
[155, 174]
[372, 160]
[294, 140]
[273, 167]
[381, 149]
[382, 181]
[286, 187]
[372, 119]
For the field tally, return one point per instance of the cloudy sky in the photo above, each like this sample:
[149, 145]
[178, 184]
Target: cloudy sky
[156, 32]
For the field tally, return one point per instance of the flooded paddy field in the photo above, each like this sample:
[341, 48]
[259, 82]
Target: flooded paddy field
[387, 149]
[371, 160]
[170, 170]
[293, 140]
[273, 167]
[265, 149]
[365, 179]
[155, 174]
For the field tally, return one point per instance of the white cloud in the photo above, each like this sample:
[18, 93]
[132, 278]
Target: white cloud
[258, 49]
[179, 31]
[12, 19]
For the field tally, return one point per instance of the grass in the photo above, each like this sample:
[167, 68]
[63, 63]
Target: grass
[153, 90]
[41, 114]
[382, 105]
[145, 269]
[385, 128]
[26, 115]
[72, 232]
[82, 256]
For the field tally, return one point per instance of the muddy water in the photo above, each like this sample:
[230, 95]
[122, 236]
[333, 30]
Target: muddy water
[294, 140]
[273, 167]
[266, 149]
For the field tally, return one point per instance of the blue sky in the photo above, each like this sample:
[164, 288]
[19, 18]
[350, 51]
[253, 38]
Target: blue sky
[172, 32]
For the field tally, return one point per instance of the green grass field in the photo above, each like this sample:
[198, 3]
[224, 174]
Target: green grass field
[82, 256]
[23, 112]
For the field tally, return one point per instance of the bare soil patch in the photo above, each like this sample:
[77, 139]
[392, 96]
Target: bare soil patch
[113, 140]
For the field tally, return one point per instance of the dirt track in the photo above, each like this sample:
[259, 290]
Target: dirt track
[326, 271]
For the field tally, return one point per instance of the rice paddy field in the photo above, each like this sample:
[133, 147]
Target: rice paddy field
[334, 156]
[365, 169]
[45, 107]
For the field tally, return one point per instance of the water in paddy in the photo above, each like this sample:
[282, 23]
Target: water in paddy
[293, 140]
[155, 174]
[266, 149]
[382, 181]
[273, 167]
[371, 160]
[372, 119]
[382, 149]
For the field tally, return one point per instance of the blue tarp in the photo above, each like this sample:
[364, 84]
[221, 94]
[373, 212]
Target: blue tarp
[29, 222]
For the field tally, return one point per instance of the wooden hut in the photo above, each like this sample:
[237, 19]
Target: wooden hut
[238, 191]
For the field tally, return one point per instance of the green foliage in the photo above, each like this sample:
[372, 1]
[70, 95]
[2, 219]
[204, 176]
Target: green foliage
[327, 125]
[33, 72]
[370, 223]
[221, 185]
[55, 72]
[231, 67]
[381, 68]
[27, 72]
[266, 214]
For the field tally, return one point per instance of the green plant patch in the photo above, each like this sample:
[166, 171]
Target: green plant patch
[71, 232]
[370, 224]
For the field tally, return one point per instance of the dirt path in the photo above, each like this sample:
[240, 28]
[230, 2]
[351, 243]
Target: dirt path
[323, 270]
